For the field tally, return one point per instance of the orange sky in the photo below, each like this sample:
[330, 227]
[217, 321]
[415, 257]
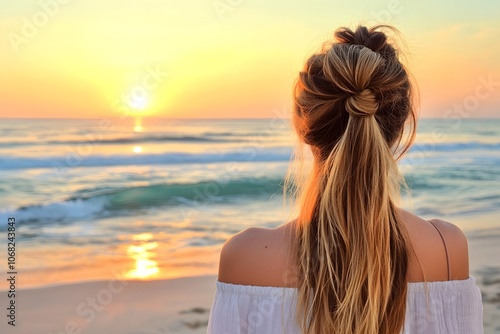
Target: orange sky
[79, 59]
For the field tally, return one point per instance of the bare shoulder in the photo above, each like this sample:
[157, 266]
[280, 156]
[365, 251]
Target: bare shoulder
[432, 253]
[254, 256]
[453, 232]
[241, 245]
[457, 247]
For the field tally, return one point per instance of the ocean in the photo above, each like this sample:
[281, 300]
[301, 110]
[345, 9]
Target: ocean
[156, 198]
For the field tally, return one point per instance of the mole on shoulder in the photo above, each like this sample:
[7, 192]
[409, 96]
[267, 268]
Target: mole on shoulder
[266, 246]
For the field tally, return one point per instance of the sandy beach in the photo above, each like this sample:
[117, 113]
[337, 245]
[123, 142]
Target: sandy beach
[182, 305]
[485, 266]
[103, 307]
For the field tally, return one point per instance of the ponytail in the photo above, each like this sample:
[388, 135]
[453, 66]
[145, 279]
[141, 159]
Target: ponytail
[351, 245]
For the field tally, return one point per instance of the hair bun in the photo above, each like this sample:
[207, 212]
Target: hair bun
[371, 38]
[362, 104]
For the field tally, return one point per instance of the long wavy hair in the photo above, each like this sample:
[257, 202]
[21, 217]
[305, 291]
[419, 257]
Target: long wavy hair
[353, 108]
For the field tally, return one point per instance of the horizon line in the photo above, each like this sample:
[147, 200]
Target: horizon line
[205, 118]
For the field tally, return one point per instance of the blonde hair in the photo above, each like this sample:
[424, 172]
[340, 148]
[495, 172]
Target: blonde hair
[352, 102]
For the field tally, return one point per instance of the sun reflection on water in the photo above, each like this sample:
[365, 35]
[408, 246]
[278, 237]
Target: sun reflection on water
[138, 125]
[142, 252]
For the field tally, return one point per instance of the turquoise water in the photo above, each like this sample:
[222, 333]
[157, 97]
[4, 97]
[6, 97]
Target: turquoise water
[93, 185]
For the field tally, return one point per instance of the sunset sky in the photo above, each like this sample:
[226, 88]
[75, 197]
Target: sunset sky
[226, 58]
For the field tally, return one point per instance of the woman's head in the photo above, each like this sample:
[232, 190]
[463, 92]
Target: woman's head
[357, 78]
[352, 102]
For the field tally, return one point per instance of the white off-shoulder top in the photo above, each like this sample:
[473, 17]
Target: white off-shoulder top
[444, 307]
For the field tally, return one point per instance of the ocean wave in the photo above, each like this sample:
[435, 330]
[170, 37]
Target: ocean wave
[99, 203]
[242, 154]
[207, 137]
[61, 164]
[454, 146]
[211, 138]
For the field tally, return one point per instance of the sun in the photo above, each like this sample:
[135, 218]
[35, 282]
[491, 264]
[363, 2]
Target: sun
[138, 103]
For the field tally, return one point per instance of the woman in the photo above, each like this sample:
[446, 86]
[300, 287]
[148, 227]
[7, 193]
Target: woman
[352, 261]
